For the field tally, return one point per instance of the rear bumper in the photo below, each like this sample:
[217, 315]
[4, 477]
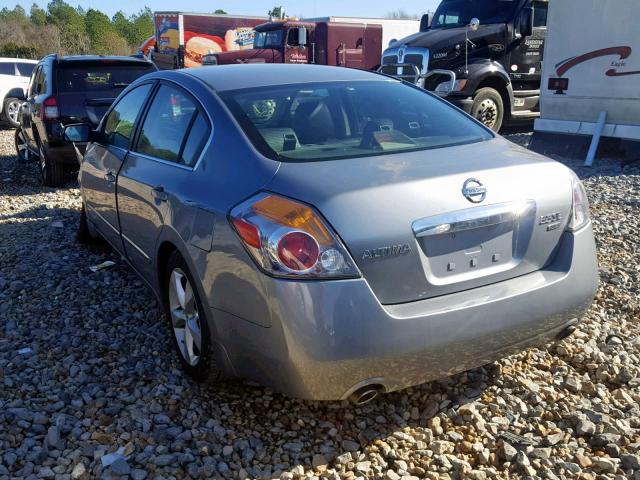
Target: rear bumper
[329, 338]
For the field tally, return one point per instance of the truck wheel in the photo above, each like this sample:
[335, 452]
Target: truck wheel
[488, 108]
[52, 173]
[11, 111]
[187, 322]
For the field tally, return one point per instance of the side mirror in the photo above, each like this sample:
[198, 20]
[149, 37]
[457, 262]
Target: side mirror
[77, 133]
[392, 41]
[474, 24]
[302, 36]
[425, 22]
[526, 22]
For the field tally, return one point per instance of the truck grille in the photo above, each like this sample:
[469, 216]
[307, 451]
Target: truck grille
[415, 59]
[389, 59]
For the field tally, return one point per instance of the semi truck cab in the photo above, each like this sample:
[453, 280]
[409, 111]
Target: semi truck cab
[484, 56]
[324, 43]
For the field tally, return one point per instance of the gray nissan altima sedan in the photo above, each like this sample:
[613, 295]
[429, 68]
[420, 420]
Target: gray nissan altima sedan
[333, 233]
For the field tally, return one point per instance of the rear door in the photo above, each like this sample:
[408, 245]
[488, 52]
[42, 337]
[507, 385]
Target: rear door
[169, 143]
[103, 159]
[86, 89]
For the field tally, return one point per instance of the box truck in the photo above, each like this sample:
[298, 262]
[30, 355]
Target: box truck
[484, 56]
[181, 39]
[356, 45]
[592, 69]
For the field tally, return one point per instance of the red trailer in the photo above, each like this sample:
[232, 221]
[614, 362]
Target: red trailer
[325, 43]
[182, 39]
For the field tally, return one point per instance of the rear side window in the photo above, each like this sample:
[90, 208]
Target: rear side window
[119, 124]
[7, 68]
[96, 77]
[174, 129]
[25, 69]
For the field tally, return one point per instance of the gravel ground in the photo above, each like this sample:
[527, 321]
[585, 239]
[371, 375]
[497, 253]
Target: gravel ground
[89, 386]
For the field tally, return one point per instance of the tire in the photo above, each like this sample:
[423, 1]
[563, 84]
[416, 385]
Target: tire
[11, 111]
[85, 235]
[22, 148]
[488, 108]
[52, 173]
[185, 319]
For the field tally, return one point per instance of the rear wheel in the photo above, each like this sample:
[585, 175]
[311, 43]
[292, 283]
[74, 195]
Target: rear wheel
[22, 148]
[11, 111]
[52, 172]
[488, 108]
[188, 324]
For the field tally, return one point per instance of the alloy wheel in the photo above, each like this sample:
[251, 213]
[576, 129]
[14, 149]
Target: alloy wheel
[13, 110]
[21, 147]
[488, 113]
[185, 318]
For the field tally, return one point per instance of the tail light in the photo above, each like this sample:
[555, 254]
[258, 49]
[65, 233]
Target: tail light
[50, 109]
[290, 239]
[580, 209]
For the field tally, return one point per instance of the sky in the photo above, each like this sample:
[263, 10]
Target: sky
[304, 8]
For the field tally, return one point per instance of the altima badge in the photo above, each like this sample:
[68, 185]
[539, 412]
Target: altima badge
[385, 252]
[474, 191]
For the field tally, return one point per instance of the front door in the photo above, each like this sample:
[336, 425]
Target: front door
[525, 61]
[161, 162]
[102, 162]
[293, 51]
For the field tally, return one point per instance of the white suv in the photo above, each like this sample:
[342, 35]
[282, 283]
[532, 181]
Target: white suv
[14, 79]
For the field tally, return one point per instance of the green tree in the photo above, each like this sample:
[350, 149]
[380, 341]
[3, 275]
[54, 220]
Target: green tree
[220, 12]
[100, 31]
[15, 14]
[74, 38]
[38, 16]
[121, 24]
[142, 27]
[277, 12]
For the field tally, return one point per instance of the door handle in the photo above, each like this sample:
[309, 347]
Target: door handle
[110, 177]
[159, 193]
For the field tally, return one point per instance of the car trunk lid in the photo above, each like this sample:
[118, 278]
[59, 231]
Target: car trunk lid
[412, 231]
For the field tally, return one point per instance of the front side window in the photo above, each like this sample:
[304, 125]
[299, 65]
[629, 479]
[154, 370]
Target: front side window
[118, 126]
[540, 10]
[173, 129]
[334, 120]
[454, 13]
[269, 39]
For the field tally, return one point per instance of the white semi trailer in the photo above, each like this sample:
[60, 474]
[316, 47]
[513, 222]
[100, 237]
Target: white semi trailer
[591, 70]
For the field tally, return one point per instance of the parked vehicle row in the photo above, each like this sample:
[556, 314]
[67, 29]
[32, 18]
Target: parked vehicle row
[65, 90]
[333, 233]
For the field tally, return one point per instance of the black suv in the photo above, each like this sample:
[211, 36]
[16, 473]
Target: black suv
[64, 90]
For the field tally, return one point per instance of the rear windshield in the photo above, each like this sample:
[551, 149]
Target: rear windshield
[328, 121]
[89, 77]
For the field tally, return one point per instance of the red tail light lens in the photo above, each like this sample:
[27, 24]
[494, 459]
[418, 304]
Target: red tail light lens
[290, 239]
[247, 232]
[50, 109]
[298, 251]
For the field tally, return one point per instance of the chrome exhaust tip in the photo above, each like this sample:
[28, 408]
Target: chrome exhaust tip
[365, 394]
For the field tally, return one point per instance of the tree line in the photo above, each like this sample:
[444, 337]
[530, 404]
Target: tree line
[67, 30]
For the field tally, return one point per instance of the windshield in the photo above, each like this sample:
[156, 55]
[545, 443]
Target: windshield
[335, 120]
[269, 39]
[452, 13]
[96, 77]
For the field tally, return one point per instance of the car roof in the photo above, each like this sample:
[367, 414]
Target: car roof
[25, 60]
[233, 77]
